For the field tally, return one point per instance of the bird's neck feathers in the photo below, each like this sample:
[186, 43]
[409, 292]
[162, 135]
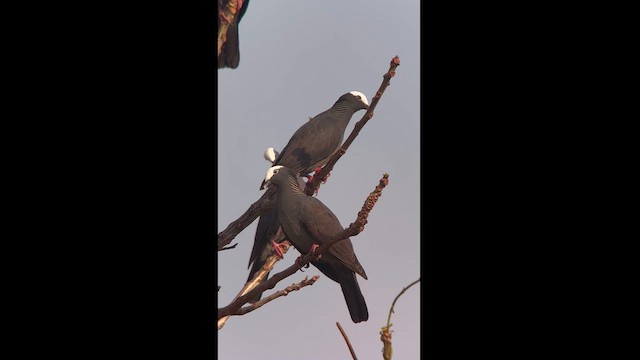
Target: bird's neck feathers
[340, 112]
[291, 187]
[295, 186]
[344, 107]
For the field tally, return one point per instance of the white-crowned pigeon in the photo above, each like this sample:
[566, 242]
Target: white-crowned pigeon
[306, 221]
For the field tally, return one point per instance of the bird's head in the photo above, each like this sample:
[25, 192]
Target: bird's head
[361, 98]
[271, 177]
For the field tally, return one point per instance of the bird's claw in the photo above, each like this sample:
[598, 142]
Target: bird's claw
[313, 250]
[315, 172]
[277, 248]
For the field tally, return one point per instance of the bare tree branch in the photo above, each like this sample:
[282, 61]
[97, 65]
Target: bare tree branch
[313, 185]
[264, 204]
[357, 226]
[284, 292]
[354, 229]
[346, 338]
[259, 276]
[385, 332]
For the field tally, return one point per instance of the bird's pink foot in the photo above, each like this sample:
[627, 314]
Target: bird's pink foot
[313, 248]
[277, 248]
[316, 171]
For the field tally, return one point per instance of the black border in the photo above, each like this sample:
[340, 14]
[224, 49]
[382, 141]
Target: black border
[135, 191]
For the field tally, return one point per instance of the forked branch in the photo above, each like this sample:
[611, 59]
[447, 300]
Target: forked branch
[277, 294]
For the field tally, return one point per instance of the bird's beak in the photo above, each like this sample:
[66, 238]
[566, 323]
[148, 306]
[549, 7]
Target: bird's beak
[265, 183]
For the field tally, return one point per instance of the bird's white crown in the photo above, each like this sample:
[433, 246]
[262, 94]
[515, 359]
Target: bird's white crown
[272, 171]
[363, 98]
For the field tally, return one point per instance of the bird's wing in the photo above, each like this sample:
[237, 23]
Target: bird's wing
[310, 146]
[321, 224]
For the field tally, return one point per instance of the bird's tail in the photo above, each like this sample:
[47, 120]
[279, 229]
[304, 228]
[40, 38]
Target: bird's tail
[268, 228]
[354, 298]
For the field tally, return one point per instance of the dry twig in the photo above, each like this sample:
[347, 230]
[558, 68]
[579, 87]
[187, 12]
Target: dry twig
[385, 332]
[264, 204]
[229, 247]
[284, 292]
[346, 339]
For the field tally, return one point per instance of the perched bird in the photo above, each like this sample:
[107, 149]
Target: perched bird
[230, 53]
[308, 149]
[316, 140]
[306, 221]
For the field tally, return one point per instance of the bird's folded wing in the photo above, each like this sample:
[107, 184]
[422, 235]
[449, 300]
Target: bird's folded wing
[309, 146]
[322, 224]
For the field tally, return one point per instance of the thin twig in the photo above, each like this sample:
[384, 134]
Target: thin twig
[264, 204]
[283, 292]
[357, 226]
[354, 229]
[396, 299]
[229, 247]
[385, 332]
[346, 338]
[317, 178]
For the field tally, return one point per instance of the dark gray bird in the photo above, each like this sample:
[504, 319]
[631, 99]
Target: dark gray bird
[230, 52]
[305, 221]
[308, 149]
[314, 142]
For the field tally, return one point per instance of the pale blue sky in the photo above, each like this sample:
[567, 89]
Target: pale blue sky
[297, 58]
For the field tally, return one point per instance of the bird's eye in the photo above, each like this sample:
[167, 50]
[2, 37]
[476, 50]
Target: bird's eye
[358, 97]
[276, 171]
